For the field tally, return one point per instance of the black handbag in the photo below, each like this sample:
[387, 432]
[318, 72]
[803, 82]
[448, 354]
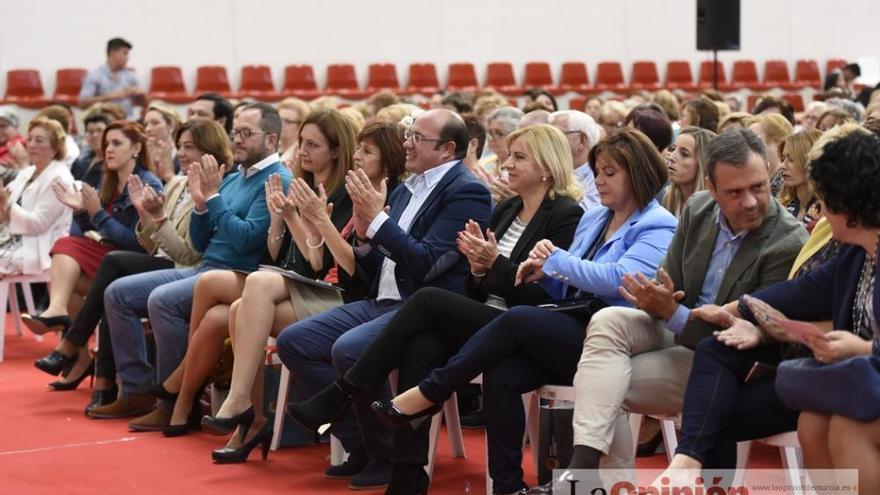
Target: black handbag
[849, 388]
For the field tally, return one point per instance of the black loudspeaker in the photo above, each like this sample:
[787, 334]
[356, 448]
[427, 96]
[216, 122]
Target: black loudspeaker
[717, 24]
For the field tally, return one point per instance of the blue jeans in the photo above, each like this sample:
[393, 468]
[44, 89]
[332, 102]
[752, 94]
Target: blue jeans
[166, 297]
[322, 348]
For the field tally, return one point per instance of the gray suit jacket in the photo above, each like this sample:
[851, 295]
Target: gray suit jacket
[764, 257]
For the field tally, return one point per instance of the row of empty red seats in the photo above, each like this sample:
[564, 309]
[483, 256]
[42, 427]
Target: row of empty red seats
[25, 88]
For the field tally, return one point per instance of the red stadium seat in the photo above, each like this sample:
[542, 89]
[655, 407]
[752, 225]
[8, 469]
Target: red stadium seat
[577, 103]
[539, 75]
[299, 82]
[499, 76]
[166, 83]
[422, 79]
[213, 79]
[462, 77]
[68, 82]
[834, 63]
[745, 75]
[382, 76]
[776, 75]
[24, 88]
[574, 78]
[706, 76]
[342, 81]
[609, 77]
[256, 82]
[679, 75]
[796, 100]
[806, 73]
[644, 76]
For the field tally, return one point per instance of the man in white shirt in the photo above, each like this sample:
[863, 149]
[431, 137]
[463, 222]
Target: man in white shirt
[401, 249]
[582, 133]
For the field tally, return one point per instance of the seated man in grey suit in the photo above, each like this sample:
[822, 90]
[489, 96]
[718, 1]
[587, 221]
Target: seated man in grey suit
[731, 240]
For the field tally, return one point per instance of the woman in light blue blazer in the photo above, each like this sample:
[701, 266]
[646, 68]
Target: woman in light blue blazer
[527, 346]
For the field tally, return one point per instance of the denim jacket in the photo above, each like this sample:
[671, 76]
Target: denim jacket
[117, 227]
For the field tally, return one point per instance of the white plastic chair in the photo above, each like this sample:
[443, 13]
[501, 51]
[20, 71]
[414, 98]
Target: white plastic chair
[8, 295]
[789, 450]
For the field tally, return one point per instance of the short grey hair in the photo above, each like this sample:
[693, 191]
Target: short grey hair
[734, 147]
[508, 117]
[855, 110]
[580, 121]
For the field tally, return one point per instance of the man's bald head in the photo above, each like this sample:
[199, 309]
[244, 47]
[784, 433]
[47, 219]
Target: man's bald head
[534, 117]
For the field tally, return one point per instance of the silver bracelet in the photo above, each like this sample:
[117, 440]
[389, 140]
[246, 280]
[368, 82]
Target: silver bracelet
[278, 237]
[309, 244]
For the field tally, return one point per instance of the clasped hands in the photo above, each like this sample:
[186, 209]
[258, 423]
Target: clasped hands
[148, 203]
[656, 297]
[480, 251]
[203, 180]
[367, 201]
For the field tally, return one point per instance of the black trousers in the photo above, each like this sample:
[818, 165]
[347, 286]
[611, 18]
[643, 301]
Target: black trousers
[115, 265]
[720, 409]
[426, 331]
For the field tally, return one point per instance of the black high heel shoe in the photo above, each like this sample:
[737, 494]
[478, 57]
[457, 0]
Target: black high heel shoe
[240, 454]
[385, 409]
[60, 386]
[222, 426]
[192, 422]
[41, 325]
[160, 392]
[54, 363]
[324, 407]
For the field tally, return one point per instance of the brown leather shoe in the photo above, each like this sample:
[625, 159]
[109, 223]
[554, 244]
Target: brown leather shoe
[157, 420]
[124, 406]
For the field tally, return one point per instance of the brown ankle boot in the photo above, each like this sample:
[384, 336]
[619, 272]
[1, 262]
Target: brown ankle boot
[157, 420]
[125, 405]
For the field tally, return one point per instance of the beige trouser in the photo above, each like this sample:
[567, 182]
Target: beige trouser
[630, 362]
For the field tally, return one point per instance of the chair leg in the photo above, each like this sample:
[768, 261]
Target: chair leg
[792, 462]
[743, 450]
[13, 307]
[486, 456]
[29, 304]
[433, 437]
[635, 426]
[338, 455]
[670, 437]
[4, 298]
[280, 402]
[453, 426]
[533, 411]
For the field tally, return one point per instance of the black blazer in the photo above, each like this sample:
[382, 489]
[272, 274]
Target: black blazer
[826, 293]
[556, 219]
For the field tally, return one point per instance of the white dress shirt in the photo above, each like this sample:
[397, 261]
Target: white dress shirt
[587, 180]
[420, 186]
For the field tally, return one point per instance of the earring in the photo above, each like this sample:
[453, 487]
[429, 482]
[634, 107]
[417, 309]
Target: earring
[543, 178]
[134, 156]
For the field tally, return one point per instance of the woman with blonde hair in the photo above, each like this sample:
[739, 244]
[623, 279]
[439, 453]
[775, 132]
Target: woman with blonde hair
[798, 195]
[773, 129]
[31, 217]
[629, 232]
[293, 112]
[161, 122]
[685, 162]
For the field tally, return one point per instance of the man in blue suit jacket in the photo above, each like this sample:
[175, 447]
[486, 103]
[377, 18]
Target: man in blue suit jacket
[409, 247]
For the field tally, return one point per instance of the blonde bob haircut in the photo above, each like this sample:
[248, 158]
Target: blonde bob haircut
[168, 113]
[797, 147]
[776, 127]
[57, 135]
[550, 150]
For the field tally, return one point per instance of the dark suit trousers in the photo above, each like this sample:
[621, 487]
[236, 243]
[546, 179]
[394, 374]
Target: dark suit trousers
[519, 351]
[115, 265]
[426, 331]
[720, 410]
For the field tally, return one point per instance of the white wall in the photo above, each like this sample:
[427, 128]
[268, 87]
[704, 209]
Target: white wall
[51, 34]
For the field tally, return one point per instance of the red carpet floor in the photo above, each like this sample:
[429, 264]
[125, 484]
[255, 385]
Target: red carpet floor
[47, 445]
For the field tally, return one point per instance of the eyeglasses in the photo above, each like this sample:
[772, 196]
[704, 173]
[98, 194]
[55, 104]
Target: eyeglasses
[418, 138]
[291, 122]
[495, 134]
[571, 132]
[244, 133]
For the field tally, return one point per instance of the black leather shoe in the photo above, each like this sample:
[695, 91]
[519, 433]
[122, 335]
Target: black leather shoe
[408, 479]
[54, 363]
[158, 391]
[263, 438]
[356, 462]
[193, 422]
[374, 475]
[222, 426]
[60, 386]
[324, 407]
[385, 409]
[41, 325]
[100, 398]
